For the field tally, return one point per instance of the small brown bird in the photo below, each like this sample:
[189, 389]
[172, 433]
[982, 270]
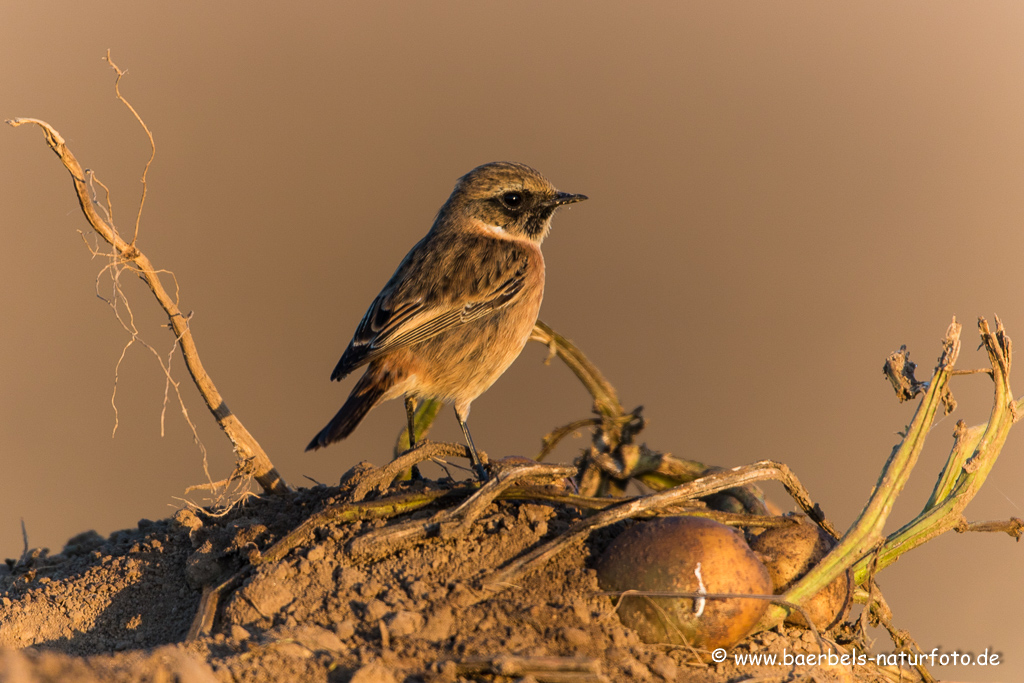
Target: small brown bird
[461, 305]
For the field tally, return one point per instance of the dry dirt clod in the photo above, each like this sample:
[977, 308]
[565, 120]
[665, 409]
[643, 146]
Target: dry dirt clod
[374, 611]
[404, 623]
[238, 633]
[373, 673]
[665, 666]
[345, 629]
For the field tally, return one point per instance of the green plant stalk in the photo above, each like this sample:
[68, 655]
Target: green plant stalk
[965, 441]
[983, 443]
[936, 521]
[867, 530]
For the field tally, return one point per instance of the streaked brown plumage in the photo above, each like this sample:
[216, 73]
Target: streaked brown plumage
[460, 307]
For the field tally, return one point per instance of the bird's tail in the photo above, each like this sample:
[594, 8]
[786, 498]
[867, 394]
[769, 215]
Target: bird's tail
[367, 393]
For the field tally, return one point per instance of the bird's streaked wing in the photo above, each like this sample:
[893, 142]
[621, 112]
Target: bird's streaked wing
[385, 329]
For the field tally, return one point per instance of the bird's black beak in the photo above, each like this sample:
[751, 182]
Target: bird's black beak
[563, 198]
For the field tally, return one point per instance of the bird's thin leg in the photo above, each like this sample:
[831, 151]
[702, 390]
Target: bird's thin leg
[478, 465]
[410, 415]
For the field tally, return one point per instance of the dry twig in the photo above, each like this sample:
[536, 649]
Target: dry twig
[380, 480]
[251, 456]
[1013, 526]
[452, 522]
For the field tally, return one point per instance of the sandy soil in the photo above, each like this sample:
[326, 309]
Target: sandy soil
[120, 608]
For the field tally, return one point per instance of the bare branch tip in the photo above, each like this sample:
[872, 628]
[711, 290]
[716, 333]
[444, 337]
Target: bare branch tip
[113, 66]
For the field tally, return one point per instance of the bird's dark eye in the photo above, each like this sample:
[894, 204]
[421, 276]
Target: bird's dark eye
[512, 200]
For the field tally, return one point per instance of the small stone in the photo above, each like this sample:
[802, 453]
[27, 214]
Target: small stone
[619, 638]
[356, 473]
[188, 668]
[439, 625]
[348, 577]
[239, 634]
[373, 673]
[187, 519]
[268, 596]
[316, 554]
[404, 623]
[636, 670]
[394, 597]
[320, 640]
[370, 589]
[292, 650]
[202, 567]
[345, 629]
[447, 672]
[375, 610]
[419, 589]
[576, 637]
[461, 596]
[582, 610]
[665, 666]
[535, 513]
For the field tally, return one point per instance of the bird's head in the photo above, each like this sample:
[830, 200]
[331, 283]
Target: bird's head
[509, 198]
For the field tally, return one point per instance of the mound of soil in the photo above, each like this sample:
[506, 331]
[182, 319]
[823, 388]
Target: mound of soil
[121, 608]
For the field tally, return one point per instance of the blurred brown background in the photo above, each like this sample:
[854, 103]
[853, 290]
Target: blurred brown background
[781, 194]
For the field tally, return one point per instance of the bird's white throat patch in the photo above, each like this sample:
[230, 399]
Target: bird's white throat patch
[494, 230]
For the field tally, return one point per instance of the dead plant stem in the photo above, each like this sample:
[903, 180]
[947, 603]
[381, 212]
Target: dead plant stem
[251, 455]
